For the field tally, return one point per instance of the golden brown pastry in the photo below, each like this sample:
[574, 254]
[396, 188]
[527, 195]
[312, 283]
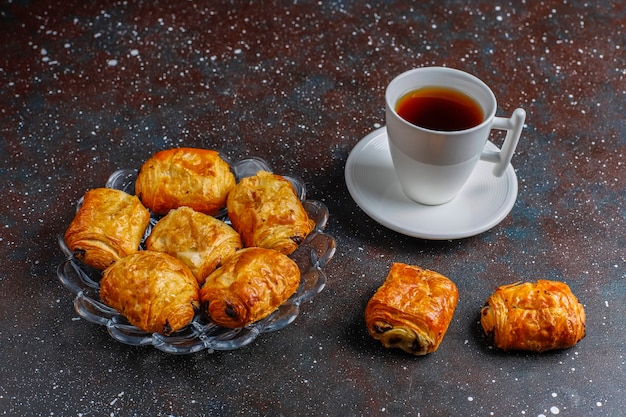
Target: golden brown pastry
[154, 291]
[197, 178]
[201, 241]
[534, 316]
[267, 213]
[108, 226]
[412, 309]
[248, 287]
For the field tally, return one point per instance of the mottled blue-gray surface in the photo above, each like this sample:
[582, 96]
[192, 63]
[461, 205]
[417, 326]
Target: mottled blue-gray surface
[88, 87]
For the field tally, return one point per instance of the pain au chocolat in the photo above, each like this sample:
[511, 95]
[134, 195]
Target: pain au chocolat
[197, 178]
[267, 213]
[412, 309]
[152, 290]
[249, 286]
[200, 241]
[108, 226]
[533, 316]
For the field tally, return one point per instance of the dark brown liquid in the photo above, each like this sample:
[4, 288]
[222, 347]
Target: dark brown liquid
[440, 108]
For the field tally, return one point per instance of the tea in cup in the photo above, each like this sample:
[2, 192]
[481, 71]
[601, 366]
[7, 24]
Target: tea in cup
[438, 122]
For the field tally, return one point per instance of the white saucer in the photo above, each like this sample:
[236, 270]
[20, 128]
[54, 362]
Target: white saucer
[484, 201]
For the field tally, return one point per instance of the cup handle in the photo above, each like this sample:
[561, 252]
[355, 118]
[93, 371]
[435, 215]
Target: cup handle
[514, 127]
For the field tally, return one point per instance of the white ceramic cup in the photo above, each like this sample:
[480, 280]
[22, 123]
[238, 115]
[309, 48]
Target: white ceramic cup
[432, 166]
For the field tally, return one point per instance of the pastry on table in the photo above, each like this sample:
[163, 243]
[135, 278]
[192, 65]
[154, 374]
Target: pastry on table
[197, 178]
[533, 316]
[200, 241]
[108, 226]
[267, 213]
[412, 309]
[152, 290]
[249, 286]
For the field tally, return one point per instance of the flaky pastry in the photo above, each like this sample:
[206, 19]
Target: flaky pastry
[201, 241]
[533, 316]
[172, 178]
[108, 226]
[267, 213]
[412, 309]
[249, 286]
[154, 291]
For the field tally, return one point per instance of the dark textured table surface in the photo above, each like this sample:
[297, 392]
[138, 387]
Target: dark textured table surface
[90, 87]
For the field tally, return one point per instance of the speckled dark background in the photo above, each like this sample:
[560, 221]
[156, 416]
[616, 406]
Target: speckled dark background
[87, 87]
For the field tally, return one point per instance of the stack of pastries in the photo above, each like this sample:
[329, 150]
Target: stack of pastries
[240, 273]
[235, 275]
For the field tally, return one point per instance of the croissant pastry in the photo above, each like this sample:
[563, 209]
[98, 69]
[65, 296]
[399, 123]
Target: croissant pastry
[267, 213]
[108, 226]
[533, 316]
[412, 309]
[154, 291]
[249, 286]
[200, 241]
[198, 178]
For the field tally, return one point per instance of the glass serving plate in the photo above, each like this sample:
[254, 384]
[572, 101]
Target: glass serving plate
[311, 256]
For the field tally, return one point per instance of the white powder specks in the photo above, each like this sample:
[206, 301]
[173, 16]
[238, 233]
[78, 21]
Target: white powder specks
[120, 395]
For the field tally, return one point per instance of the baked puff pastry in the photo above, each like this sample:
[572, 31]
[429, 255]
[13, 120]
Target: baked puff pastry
[533, 316]
[267, 213]
[154, 291]
[108, 226]
[197, 178]
[412, 309]
[248, 287]
[200, 241]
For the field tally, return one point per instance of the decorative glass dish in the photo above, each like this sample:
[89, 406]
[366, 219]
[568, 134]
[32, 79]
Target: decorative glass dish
[311, 256]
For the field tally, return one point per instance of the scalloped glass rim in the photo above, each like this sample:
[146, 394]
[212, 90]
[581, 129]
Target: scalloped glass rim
[311, 256]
